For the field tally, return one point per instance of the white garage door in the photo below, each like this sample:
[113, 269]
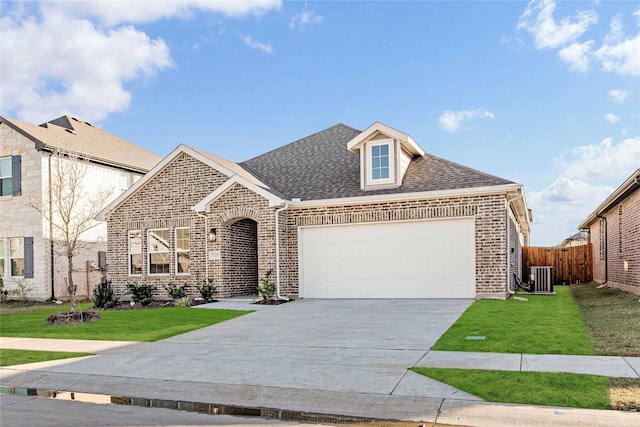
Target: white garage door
[412, 259]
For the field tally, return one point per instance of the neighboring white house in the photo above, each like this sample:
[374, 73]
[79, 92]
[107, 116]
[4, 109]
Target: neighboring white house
[27, 151]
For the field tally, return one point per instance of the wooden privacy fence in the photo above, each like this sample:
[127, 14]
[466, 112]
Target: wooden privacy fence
[570, 265]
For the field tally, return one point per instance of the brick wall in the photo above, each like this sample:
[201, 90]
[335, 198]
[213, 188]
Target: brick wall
[244, 223]
[490, 223]
[623, 245]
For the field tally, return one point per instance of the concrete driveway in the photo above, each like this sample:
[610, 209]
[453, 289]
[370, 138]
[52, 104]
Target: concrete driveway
[363, 346]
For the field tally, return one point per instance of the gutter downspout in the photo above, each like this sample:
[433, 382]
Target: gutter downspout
[206, 246]
[278, 296]
[606, 249]
[51, 256]
[508, 202]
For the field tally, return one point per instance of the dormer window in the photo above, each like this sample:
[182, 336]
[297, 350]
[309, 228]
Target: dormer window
[385, 155]
[381, 160]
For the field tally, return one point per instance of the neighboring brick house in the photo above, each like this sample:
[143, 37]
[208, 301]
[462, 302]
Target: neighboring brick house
[27, 254]
[614, 230]
[342, 213]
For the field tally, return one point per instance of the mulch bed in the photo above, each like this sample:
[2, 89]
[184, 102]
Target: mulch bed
[271, 301]
[77, 317]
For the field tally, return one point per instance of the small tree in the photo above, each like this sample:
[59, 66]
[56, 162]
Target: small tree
[70, 208]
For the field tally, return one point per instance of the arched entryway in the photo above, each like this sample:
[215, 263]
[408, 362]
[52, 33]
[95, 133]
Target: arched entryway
[240, 260]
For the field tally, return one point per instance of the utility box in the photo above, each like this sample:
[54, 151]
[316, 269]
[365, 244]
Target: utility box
[541, 279]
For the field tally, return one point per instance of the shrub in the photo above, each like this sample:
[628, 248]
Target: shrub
[268, 288]
[183, 301]
[103, 295]
[141, 293]
[176, 291]
[207, 289]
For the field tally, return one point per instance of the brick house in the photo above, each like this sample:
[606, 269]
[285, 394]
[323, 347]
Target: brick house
[614, 230]
[28, 253]
[342, 213]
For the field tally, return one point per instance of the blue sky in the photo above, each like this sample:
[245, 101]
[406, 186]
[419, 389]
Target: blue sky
[544, 93]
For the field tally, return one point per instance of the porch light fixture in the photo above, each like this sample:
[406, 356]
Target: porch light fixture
[212, 235]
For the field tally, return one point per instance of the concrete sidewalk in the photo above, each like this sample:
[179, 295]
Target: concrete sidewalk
[75, 346]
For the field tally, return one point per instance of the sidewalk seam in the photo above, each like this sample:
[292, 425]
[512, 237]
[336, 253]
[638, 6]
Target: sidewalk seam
[629, 364]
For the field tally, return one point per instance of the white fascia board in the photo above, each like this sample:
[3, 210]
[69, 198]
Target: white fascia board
[405, 139]
[274, 200]
[519, 203]
[634, 179]
[102, 215]
[398, 197]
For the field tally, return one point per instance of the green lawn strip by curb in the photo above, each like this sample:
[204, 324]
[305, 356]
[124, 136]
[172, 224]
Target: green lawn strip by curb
[542, 325]
[531, 388]
[10, 357]
[121, 325]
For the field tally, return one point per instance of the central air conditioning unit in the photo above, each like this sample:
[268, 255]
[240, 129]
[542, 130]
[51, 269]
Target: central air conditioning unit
[541, 279]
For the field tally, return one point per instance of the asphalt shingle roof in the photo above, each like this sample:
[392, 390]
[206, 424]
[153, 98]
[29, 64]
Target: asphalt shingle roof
[321, 167]
[69, 133]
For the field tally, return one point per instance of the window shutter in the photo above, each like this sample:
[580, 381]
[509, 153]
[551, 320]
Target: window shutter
[28, 257]
[16, 175]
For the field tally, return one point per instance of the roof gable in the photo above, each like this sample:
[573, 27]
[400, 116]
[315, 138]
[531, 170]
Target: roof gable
[407, 142]
[224, 166]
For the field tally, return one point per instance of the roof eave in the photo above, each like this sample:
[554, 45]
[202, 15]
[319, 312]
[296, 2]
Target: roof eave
[629, 186]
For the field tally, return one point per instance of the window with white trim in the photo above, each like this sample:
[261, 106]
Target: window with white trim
[135, 253]
[3, 257]
[182, 250]
[380, 162]
[6, 176]
[159, 247]
[16, 256]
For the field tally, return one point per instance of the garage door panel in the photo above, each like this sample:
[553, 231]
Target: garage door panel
[419, 259]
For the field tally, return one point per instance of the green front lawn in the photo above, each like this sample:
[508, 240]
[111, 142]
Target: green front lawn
[531, 388]
[9, 357]
[126, 325]
[542, 325]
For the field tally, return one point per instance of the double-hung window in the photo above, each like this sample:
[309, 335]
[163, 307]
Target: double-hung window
[182, 250]
[3, 257]
[159, 247]
[135, 253]
[16, 255]
[380, 162]
[6, 177]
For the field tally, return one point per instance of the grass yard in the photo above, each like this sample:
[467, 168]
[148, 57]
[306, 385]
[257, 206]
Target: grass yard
[542, 325]
[532, 388]
[9, 357]
[125, 325]
[612, 318]
[580, 319]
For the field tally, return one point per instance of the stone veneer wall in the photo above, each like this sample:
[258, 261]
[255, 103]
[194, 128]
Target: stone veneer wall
[490, 223]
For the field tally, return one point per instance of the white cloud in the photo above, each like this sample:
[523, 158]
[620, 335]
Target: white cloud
[61, 65]
[619, 95]
[144, 11]
[611, 118]
[559, 208]
[616, 54]
[77, 57]
[305, 19]
[256, 44]
[622, 57]
[537, 19]
[601, 160]
[576, 55]
[452, 120]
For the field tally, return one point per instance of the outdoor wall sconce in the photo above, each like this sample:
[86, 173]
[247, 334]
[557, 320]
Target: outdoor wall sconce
[212, 235]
